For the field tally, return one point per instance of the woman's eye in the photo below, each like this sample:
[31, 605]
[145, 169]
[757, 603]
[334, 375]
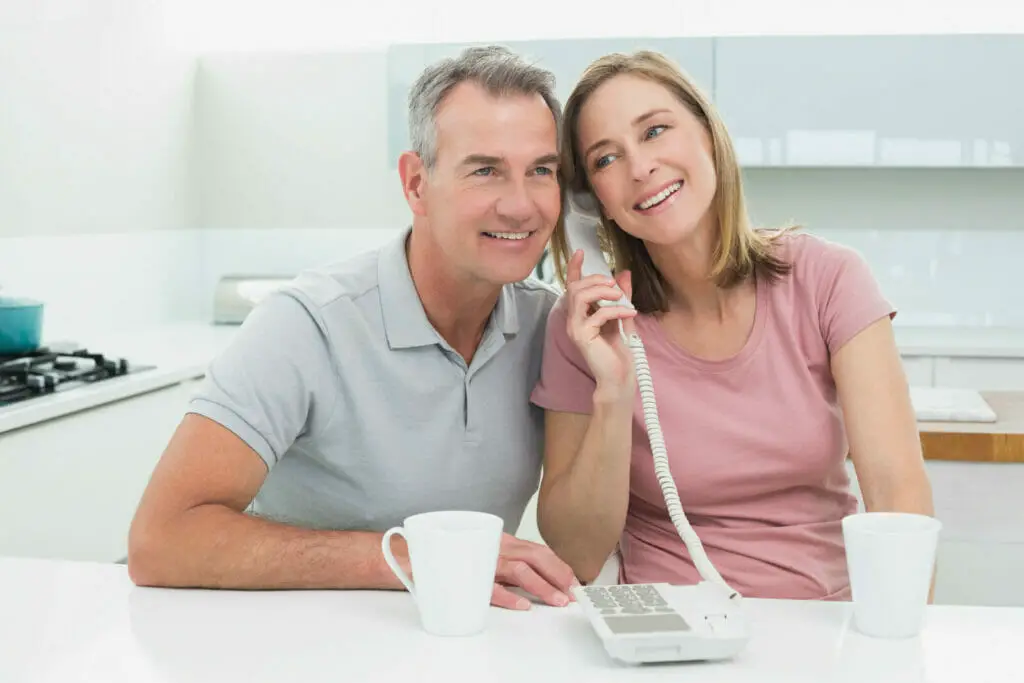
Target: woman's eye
[654, 131]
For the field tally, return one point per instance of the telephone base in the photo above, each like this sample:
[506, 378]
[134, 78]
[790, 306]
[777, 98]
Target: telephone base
[658, 622]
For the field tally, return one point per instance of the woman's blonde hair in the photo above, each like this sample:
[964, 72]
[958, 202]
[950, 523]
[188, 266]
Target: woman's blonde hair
[740, 250]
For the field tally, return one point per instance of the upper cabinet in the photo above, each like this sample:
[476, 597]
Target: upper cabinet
[567, 59]
[885, 101]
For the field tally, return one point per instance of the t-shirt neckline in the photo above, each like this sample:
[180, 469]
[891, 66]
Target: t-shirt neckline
[650, 329]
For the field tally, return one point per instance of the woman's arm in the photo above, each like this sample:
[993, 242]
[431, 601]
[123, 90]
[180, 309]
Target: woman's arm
[584, 495]
[884, 442]
[885, 445]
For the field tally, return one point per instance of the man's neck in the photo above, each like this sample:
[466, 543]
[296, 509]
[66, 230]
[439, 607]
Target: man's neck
[457, 308]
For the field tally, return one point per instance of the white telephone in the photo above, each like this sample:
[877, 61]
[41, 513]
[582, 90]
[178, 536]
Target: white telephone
[657, 622]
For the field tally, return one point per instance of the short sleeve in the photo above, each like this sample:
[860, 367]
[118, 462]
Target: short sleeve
[565, 383]
[849, 297]
[269, 385]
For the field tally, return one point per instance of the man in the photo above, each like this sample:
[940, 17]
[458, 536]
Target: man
[392, 383]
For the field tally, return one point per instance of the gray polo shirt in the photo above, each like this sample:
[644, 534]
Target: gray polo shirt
[365, 415]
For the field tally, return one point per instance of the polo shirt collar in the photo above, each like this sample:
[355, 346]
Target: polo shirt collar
[405, 322]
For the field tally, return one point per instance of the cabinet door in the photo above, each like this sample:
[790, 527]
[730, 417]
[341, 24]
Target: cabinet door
[982, 374]
[69, 486]
[919, 370]
[976, 573]
[872, 100]
[567, 59]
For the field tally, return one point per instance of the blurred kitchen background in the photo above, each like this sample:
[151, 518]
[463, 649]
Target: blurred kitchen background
[154, 155]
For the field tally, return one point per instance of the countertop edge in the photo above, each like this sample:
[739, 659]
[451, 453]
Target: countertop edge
[63, 404]
[923, 351]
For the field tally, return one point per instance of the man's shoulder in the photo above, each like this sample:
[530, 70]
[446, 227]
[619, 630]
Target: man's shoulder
[336, 282]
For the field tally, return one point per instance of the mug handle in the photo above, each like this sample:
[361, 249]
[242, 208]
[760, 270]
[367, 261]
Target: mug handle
[385, 546]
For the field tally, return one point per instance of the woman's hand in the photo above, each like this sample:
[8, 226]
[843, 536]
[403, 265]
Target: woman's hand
[595, 329]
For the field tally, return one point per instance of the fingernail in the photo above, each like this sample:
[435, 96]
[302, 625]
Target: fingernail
[523, 603]
[561, 600]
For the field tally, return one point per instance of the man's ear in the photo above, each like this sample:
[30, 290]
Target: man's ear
[414, 178]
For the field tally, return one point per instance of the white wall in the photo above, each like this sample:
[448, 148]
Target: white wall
[295, 140]
[168, 171]
[95, 135]
[294, 154]
[941, 241]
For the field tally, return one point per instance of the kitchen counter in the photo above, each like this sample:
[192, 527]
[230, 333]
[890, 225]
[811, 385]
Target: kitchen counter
[977, 342]
[181, 351]
[999, 441]
[69, 622]
[177, 351]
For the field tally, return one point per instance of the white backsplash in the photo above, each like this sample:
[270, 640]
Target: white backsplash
[97, 281]
[250, 163]
[934, 277]
[959, 278]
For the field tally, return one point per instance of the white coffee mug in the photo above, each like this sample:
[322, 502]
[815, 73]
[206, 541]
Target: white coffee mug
[454, 556]
[891, 561]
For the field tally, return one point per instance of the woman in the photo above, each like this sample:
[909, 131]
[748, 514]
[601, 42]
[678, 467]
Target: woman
[754, 340]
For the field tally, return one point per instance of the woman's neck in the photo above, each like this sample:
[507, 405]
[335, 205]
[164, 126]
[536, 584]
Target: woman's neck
[686, 269]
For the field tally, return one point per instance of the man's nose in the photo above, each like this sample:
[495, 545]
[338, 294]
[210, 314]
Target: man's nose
[515, 203]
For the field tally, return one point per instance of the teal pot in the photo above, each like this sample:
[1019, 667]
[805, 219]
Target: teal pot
[21, 325]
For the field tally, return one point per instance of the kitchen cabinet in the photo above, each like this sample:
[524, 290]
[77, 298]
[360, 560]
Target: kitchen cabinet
[69, 486]
[565, 58]
[981, 546]
[919, 370]
[981, 549]
[977, 573]
[983, 374]
[889, 101]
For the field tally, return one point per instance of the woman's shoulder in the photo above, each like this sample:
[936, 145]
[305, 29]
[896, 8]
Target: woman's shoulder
[816, 261]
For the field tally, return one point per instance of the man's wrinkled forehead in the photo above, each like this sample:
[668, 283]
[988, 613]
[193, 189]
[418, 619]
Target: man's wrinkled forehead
[508, 129]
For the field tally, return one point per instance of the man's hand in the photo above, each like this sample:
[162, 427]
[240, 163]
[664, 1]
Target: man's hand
[535, 569]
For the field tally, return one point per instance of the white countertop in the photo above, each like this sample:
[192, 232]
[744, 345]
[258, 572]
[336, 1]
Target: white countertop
[177, 352]
[72, 622]
[990, 342]
[181, 351]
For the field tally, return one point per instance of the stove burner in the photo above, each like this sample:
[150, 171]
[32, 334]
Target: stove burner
[48, 370]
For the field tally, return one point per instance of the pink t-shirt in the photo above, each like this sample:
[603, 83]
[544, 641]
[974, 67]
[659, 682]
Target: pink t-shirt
[756, 443]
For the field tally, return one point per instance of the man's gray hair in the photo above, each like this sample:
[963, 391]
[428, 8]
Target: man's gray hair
[495, 68]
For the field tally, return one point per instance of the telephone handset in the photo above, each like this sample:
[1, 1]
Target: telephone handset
[581, 233]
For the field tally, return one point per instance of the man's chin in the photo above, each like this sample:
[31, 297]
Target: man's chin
[507, 276]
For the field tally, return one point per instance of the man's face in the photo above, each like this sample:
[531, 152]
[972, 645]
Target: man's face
[492, 199]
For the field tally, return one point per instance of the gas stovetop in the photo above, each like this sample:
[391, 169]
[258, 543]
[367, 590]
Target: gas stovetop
[48, 370]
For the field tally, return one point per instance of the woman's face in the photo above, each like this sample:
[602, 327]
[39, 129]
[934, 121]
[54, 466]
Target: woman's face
[649, 160]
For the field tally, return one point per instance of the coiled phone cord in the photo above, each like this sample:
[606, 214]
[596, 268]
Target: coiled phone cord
[661, 467]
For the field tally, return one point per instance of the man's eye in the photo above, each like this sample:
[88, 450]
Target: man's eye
[488, 170]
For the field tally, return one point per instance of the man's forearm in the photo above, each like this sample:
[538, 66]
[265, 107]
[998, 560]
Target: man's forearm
[212, 546]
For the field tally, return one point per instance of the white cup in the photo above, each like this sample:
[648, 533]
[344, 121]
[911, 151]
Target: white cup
[890, 557]
[454, 556]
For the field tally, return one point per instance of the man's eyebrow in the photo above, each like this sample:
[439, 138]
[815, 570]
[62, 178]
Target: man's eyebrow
[484, 159]
[489, 160]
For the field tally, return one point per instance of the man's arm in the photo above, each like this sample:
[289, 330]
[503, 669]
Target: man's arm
[190, 529]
